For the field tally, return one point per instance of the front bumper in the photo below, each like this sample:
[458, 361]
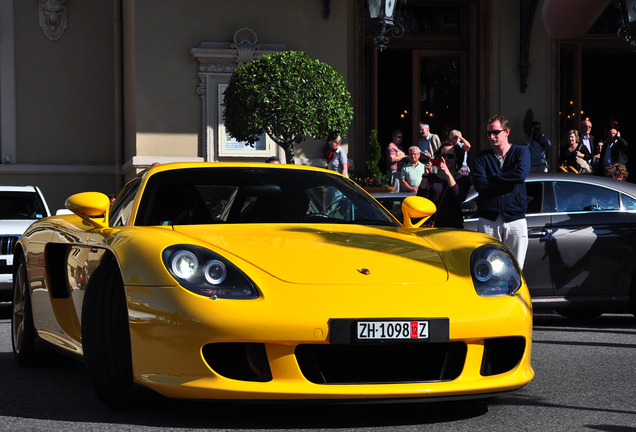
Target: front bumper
[277, 348]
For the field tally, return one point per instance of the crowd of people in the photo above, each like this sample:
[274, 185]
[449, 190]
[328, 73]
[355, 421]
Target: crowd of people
[581, 154]
[584, 154]
[438, 170]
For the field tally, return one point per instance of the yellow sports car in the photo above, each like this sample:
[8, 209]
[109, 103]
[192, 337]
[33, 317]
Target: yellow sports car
[268, 282]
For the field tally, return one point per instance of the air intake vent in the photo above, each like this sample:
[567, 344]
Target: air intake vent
[381, 364]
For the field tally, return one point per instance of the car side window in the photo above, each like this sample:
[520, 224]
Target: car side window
[629, 203]
[574, 197]
[534, 190]
[123, 206]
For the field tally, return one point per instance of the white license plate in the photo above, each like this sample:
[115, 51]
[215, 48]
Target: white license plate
[390, 330]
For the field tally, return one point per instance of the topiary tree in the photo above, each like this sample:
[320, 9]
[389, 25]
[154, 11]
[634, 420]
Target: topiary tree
[289, 96]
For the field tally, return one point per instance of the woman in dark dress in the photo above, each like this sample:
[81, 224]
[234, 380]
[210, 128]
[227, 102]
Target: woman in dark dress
[447, 188]
[572, 150]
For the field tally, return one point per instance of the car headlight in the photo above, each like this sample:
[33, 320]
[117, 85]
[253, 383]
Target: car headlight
[207, 273]
[495, 272]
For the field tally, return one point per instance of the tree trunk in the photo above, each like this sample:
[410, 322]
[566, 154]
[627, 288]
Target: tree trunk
[288, 147]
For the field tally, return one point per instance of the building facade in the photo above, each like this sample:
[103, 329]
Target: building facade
[93, 92]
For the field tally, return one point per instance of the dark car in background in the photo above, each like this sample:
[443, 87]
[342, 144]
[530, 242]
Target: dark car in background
[581, 258]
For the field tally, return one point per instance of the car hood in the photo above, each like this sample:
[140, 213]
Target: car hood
[329, 254]
[15, 226]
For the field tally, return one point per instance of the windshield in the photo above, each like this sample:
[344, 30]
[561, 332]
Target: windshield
[21, 205]
[255, 195]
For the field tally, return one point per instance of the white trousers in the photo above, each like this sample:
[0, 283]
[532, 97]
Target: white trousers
[513, 234]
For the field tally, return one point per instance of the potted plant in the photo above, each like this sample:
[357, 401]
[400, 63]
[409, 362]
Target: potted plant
[374, 180]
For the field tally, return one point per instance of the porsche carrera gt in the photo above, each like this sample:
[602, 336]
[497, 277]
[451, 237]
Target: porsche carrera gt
[268, 282]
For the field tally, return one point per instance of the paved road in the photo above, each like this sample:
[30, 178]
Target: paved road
[585, 380]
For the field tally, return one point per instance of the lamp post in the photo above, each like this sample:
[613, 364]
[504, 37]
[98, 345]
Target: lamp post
[382, 21]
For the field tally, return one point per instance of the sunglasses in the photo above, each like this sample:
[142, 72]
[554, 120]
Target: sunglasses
[448, 156]
[494, 132]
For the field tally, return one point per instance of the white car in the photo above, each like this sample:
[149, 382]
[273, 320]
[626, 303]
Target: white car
[20, 206]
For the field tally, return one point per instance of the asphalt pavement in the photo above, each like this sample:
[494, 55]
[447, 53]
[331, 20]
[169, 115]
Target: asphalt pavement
[585, 380]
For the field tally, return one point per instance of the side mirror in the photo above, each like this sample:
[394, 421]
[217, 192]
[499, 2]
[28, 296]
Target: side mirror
[417, 207]
[93, 207]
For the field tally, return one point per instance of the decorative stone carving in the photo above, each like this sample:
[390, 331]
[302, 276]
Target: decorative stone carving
[218, 67]
[245, 45]
[53, 18]
[217, 62]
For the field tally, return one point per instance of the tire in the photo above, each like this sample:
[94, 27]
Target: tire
[22, 328]
[106, 337]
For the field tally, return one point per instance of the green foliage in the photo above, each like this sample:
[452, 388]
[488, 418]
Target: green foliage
[373, 164]
[374, 176]
[288, 95]
[527, 121]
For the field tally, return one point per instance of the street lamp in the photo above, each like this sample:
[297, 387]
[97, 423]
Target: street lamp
[382, 22]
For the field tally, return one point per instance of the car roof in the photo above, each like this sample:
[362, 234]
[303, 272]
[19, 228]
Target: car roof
[17, 188]
[622, 186]
[168, 166]
[194, 165]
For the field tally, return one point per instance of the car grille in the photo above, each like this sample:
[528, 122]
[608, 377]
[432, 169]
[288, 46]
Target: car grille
[381, 363]
[7, 244]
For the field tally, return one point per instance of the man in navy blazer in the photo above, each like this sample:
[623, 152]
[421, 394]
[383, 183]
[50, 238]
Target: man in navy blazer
[499, 175]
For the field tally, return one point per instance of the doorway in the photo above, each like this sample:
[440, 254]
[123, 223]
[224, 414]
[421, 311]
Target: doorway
[429, 75]
[596, 84]
[440, 91]
[428, 86]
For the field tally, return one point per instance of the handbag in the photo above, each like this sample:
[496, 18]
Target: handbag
[583, 164]
[585, 167]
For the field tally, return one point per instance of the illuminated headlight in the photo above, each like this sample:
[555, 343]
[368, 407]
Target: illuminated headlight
[184, 264]
[495, 271]
[206, 273]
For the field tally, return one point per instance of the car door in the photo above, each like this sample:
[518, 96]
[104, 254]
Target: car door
[593, 240]
[536, 268]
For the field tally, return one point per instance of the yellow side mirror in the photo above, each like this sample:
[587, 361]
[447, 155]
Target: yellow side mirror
[93, 207]
[417, 207]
